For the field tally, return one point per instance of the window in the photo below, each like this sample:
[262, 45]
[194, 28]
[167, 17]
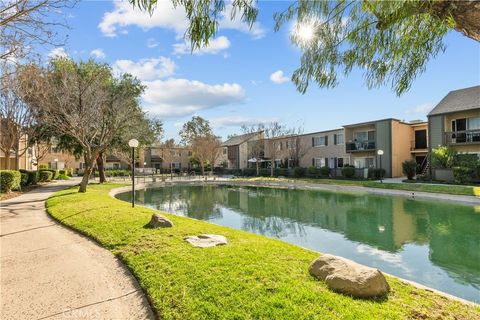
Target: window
[364, 135]
[224, 151]
[319, 162]
[473, 123]
[340, 162]
[339, 139]
[291, 144]
[320, 141]
[363, 163]
[278, 163]
[175, 165]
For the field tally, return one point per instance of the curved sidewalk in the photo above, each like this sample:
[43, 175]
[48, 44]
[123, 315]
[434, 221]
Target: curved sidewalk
[50, 272]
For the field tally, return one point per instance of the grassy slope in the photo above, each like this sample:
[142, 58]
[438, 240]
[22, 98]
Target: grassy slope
[251, 278]
[447, 189]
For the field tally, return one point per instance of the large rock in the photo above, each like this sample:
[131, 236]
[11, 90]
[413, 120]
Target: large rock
[348, 277]
[206, 240]
[159, 221]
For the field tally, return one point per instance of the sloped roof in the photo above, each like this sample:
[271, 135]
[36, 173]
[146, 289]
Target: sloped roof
[458, 100]
[233, 141]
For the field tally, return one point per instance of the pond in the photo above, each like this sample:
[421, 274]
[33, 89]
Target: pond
[436, 243]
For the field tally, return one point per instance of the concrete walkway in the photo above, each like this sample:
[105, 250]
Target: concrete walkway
[50, 272]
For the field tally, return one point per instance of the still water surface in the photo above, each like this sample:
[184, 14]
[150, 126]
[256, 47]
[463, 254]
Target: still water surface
[436, 244]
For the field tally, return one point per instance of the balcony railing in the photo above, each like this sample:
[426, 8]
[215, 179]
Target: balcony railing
[458, 137]
[418, 145]
[360, 145]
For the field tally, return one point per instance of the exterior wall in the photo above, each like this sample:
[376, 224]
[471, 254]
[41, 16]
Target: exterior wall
[400, 146]
[65, 160]
[243, 155]
[384, 141]
[168, 156]
[458, 115]
[26, 161]
[435, 130]
[331, 151]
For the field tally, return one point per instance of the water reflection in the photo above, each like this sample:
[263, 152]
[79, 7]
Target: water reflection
[387, 232]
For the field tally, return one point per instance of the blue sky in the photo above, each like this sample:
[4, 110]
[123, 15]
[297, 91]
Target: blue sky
[230, 83]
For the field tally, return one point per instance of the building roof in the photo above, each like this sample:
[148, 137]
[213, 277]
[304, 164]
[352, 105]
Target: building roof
[458, 100]
[369, 122]
[236, 140]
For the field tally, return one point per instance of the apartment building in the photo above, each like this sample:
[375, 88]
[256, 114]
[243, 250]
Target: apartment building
[318, 149]
[455, 121]
[166, 158]
[237, 150]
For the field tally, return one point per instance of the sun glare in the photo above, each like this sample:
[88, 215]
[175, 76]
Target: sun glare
[304, 32]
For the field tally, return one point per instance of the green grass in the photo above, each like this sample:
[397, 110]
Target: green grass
[253, 277]
[447, 189]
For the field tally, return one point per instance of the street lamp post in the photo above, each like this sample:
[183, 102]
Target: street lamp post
[56, 164]
[133, 143]
[380, 154]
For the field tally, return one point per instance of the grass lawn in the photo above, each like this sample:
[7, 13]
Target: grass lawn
[253, 277]
[448, 189]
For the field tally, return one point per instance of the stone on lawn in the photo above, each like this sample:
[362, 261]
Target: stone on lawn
[159, 221]
[206, 240]
[348, 277]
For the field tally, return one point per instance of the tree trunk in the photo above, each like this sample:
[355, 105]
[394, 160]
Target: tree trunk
[89, 161]
[271, 168]
[465, 13]
[203, 169]
[101, 168]
[7, 160]
[258, 169]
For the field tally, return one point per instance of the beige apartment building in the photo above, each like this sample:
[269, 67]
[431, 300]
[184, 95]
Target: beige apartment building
[163, 158]
[237, 150]
[455, 121]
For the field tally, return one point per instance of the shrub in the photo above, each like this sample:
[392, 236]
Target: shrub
[325, 171]
[249, 172]
[443, 157]
[42, 167]
[312, 171]
[409, 168]
[45, 175]
[466, 160]
[9, 180]
[265, 172]
[32, 176]
[299, 172]
[280, 172]
[348, 172]
[23, 179]
[376, 173]
[63, 177]
[462, 174]
[62, 172]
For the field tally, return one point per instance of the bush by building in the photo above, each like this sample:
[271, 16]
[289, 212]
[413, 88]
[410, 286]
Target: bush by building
[348, 172]
[10, 180]
[325, 171]
[409, 168]
[45, 175]
[299, 172]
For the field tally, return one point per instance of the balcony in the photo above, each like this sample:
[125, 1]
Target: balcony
[367, 145]
[418, 145]
[462, 137]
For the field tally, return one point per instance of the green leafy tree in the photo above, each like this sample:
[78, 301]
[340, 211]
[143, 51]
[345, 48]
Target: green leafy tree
[195, 128]
[443, 157]
[85, 102]
[392, 41]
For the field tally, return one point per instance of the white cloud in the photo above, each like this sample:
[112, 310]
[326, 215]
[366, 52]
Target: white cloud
[278, 77]
[98, 53]
[215, 46]
[423, 108]
[57, 53]
[237, 121]
[168, 17]
[146, 69]
[123, 15]
[152, 43]
[182, 97]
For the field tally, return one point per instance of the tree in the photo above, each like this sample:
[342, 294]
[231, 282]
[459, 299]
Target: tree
[298, 147]
[392, 41]
[16, 116]
[83, 101]
[26, 24]
[196, 127]
[206, 149]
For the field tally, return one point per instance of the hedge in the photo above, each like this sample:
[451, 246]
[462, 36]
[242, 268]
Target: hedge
[23, 179]
[348, 172]
[9, 180]
[32, 176]
[45, 175]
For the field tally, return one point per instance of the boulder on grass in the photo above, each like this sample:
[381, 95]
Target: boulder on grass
[206, 240]
[159, 221]
[348, 277]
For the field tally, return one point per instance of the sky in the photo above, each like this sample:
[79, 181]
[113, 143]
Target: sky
[243, 76]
